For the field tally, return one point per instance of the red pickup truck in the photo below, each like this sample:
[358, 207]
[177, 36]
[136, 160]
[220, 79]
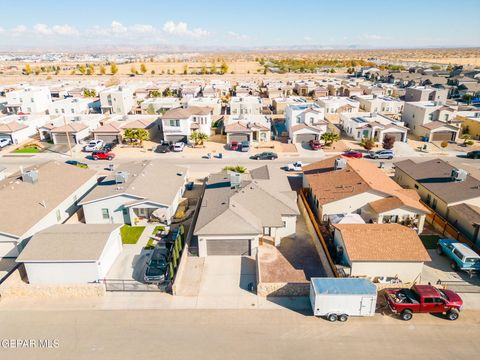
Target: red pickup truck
[423, 299]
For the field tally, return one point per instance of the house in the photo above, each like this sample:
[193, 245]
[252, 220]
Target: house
[431, 120]
[19, 128]
[136, 193]
[246, 105]
[426, 93]
[380, 104]
[340, 185]
[29, 100]
[71, 253]
[76, 127]
[213, 103]
[253, 128]
[42, 196]
[159, 105]
[117, 100]
[305, 122]
[470, 121]
[374, 250]
[337, 104]
[71, 106]
[232, 217]
[112, 131]
[178, 124]
[372, 126]
[439, 183]
[279, 104]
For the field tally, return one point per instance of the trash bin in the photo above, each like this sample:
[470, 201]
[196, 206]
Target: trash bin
[220, 155]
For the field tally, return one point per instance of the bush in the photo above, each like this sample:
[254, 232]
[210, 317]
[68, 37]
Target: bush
[388, 142]
[444, 144]
[368, 144]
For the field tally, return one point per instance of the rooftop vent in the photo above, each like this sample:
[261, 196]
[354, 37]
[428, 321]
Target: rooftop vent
[340, 164]
[121, 177]
[30, 176]
[235, 179]
[458, 175]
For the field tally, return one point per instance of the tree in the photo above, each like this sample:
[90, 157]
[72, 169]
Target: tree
[444, 144]
[467, 98]
[103, 71]
[91, 68]
[224, 68]
[89, 93]
[134, 135]
[329, 138]
[237, 168]
[151, 109]
[388, 142]
[185, 69]
[467, 139]
[133, 69]
[82, 69]
[368, 144]
[152, 72]
[27, 70]
[168, 92]
[213, 68]
[155, 93]
[204, 69]
[198, 137]
[113, 68]
[143, 68]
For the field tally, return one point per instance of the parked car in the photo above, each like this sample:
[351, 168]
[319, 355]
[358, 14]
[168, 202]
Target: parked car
[245, 146]
[353, 154]
[164, 147]
[382, 154]
[424, 299]
[234, 146]
[315, 144]
[178, 146]
[474, 154]
[77, 163]
[462, 256]
[157, 264]
[94, 145]
[102, 155]
[296, 166]
[265, 156]
[4, 142]
[109, 146]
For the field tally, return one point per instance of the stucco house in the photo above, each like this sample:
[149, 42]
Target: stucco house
[234, 217]
[136, 193]
[71, 253]
[372, 126]
[178, 124]
[305, 122]
[253, 128]
[373, 250]
[340, 185]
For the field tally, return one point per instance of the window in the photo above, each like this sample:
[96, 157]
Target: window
[59, 215]
[429, 300]
[430, 117]
[415, 186]
[175, 123]
[105, 214]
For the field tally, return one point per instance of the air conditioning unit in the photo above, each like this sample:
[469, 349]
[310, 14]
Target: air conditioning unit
[458, 175]
[121, 177]
[30, 176]
[235, 179]
[340, 164]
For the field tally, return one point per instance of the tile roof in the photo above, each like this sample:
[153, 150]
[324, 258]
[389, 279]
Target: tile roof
[382, 243]
[72, 127]
[438, 124]
[11, 127]
[110, 127]
[181, 113]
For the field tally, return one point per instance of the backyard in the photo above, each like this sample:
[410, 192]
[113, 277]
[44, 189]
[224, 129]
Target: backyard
[131, 234]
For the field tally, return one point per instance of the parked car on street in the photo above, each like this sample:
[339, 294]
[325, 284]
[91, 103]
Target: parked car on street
[94, 145]
[102, 155]
[474, 154]
[381, 154]
[163, 148]
[245, 146]
[424, 299]
[353, 154]
[462, 256]
[178, 146]
[296, 166]
[265, 156]
[4, 142]
[157, 264]
[234, 145]
[77, 163]
[315, 144]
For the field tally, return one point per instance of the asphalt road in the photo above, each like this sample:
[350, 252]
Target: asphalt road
[236, 334]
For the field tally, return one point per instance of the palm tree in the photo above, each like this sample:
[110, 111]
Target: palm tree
[198, 138]
[237, 168]
[367, 143]
[329, 138]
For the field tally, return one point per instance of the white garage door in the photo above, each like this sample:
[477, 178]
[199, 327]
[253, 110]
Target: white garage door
[304, 138]
[228, 247]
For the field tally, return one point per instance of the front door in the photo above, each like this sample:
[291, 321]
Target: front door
[267, 231]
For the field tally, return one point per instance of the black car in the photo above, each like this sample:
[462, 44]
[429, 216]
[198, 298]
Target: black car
[265, 156]
[474, 154]
[157, 265]
[164, 148]
[109, 146]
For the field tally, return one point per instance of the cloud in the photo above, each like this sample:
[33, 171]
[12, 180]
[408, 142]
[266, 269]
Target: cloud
[237, 36]
[181, 29]
[19, 29]
[307, 38]
[42, 29]
[117, 27]
[142, 29]
[372, 37]
[65, 29]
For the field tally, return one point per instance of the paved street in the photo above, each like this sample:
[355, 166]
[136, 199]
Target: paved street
[237, 334]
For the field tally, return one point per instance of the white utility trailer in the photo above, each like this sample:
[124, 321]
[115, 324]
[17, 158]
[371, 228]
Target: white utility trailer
[339, 298]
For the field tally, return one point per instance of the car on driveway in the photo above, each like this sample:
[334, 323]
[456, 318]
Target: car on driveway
[267, 155]
[381, 154]
[178, 146]
[474, 154]
[315, 144]
[163, 148]
[77, 163]
[245, 146]
[234, 145]
[94, 145]
[296, 166]
[462, 256]
[157, 264]
[102, 155]
[109, 146]
[353, 154]
[4, 142]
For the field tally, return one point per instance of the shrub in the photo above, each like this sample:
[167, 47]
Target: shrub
[388, 142]
[368, 144]
[444, 144]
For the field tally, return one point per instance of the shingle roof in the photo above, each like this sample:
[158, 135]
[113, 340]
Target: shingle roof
[467, 211]
[435, 176]
[432, 125]
[68, 242]
[181, 113]
[382, 243]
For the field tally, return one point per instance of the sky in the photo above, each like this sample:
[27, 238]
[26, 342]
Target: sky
[69, 25]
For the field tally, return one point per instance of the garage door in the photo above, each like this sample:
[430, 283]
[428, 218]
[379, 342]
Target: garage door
[303, 138]
[397, 135]
[62, 139]
[228, 247]
[239, 137]
[5, 136]
[108, 138]
[176, 138]
[442, 136]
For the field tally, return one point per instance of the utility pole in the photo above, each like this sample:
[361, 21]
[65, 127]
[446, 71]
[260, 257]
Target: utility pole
[68, 136]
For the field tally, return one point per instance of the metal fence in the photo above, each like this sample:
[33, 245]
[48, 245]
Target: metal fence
[134, 286]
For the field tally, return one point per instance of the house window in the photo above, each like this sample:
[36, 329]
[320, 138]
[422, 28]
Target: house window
[266, 231]
[59, 215]
[105, 214]
[175, 123]
[415, 186]
[430, 117]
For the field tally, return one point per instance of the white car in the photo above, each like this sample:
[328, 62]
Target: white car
[177, 147]
[94, 145]
[4, 142]
[296, 166]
